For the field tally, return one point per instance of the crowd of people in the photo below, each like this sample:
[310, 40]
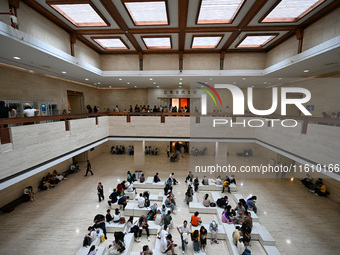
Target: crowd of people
[318, 188]
[50, 180]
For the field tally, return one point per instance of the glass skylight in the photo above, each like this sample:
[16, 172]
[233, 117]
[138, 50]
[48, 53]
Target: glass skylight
[148, 13]
[81, 15]
[111, 43]
[157, 43]
[291, 10]
[255, 41]
[200, 42]
[218, 11]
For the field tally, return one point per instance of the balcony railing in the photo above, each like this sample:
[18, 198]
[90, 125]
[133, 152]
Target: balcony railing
[6, 138]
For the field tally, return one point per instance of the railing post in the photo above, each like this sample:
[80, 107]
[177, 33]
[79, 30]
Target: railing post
[4, 135]
[67, 125]
[128, 119]
[198, 120]
[304, 127]
[162, 119]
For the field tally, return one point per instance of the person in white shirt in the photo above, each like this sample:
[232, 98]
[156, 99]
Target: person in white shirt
[29, 112]
[141, 201]
[117, 109]
[184, 231]
[116, 216]
[130, 187]
[242, 250]
[218, 180]
[163, 234]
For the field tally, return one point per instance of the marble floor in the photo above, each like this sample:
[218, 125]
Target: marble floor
[57, 221]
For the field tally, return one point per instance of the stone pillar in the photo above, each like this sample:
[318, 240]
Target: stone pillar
[139, 155]
[221, 150]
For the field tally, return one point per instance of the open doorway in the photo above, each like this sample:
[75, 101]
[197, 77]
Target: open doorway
[75, 102]
[181, 103]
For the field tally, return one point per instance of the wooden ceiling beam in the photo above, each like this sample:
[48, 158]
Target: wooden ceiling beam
[257, 6]
[37, 7]
[269, 28]
[183, 6]
[112, 10]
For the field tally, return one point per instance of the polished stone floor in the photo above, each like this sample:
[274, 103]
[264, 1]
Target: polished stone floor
[56, 222]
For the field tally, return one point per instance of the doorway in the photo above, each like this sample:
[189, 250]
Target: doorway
[181, 102]
[75, 102]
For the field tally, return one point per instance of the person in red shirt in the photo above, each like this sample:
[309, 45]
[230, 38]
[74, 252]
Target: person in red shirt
[195, 219]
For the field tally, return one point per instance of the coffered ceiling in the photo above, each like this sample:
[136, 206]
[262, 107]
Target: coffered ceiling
[174, 26]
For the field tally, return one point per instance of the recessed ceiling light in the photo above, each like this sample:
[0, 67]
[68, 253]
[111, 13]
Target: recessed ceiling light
[180, 79]
[157, 86]
[202, 86]
[306, 71]
[234, 82]
[128, 82]
[150, 79]
[110, 86]
[280, 78]
[86, 79]
[180, 83]
[135, 86]
[265, 82]
[63, 72]
[180, 86]
[210, 79]
[243, 78]
[98, 82]
[154, 82]
[120, 79]
[17, 58]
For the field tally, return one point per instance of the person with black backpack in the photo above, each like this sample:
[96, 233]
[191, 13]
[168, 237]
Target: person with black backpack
[118, 245]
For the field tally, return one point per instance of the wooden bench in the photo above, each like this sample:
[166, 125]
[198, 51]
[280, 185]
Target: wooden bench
[10, 207]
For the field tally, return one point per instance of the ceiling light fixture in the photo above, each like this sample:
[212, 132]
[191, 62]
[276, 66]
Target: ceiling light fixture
[180, 79]
[120, 79]
[110, 86]
[86, 79]
[63, 72]
[98, 82]
[210, 79]
[306, 71]
[280, 78]
[128, 82]
[180, 86]
[154, 82]
[157, 86]
[135, 86]
[243, 78]
[17, 58]
[150, 79]
[180, 83]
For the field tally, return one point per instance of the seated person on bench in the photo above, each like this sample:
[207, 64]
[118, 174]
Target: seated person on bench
[156, 178]
[205, 181]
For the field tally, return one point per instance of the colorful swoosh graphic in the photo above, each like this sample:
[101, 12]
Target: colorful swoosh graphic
[209, 93]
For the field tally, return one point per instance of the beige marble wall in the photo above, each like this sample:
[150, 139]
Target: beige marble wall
[34, 24]
[109, 98]
[201, 62]
[13, 192]
[25, 86]
[244, 61]
[323, 30]
[160, 62]
[285, 50]
[116, 62]
[86, 54]
[47, 141]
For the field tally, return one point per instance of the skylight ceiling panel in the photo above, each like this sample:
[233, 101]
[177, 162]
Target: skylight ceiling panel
[80, 15]
[200, 42]
[157, 43]
[148, 13]
[291, 10]
[218, 11]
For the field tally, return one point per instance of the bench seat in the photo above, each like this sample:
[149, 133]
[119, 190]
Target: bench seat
[113, 227]
[198, 206]
[85, 250]
[271, 250]
[221, 235]
[236, 198]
